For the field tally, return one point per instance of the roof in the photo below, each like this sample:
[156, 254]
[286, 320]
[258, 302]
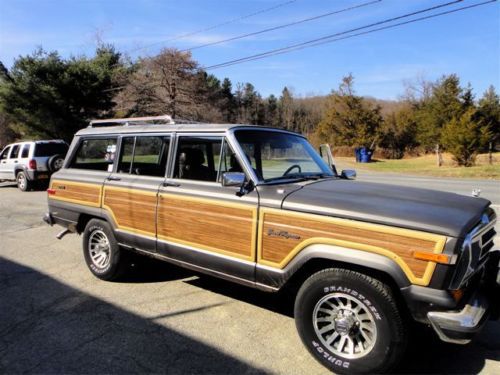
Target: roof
[167, 128]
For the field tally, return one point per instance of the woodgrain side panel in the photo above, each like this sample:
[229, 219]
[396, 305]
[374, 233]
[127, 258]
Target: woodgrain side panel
[282, 234]
[133, 210]
[213, 225]
[76, 192]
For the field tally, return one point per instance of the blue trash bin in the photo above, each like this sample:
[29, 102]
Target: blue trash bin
[365, 155]
[357, 153]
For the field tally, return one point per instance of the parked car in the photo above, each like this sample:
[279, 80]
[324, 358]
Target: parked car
[31, 163]
[260, 207]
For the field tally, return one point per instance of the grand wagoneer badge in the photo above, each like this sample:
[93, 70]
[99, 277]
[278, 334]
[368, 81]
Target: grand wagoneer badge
[282, 233]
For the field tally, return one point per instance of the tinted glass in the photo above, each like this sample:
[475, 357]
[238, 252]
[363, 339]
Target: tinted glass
[50, 149]
[5, 152]
[144, 155]
[26, 151]
[95, 154]
[198, 158]
[15, 152]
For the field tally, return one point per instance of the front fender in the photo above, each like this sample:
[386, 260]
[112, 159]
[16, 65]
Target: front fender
[276, 278]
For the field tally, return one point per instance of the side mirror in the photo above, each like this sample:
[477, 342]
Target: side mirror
[233, 179]
[348, 174]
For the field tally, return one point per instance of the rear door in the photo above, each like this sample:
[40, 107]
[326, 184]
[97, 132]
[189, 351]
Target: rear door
[3, 163]
[131, 191]
[81, 181]
[201, 222]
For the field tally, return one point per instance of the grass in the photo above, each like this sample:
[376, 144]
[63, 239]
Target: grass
[426, 165]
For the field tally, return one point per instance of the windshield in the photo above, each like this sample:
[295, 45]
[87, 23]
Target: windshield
[281, 156]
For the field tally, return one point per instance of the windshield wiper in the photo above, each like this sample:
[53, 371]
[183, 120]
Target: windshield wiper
[299, 177]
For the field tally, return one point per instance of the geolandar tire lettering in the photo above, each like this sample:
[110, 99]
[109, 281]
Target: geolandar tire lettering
[103, 256]
[350, 322]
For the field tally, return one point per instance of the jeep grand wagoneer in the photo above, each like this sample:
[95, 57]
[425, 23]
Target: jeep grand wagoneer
[259, 206]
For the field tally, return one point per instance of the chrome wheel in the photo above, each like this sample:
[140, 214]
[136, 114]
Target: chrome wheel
[21, 181]
[99, 249]
[345, 325]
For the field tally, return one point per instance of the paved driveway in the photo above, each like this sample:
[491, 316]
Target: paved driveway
[55, 317]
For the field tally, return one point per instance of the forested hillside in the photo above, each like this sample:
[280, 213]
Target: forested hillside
[45, 95]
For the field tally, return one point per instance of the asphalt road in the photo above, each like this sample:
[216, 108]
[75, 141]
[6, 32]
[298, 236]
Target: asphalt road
[55, 317]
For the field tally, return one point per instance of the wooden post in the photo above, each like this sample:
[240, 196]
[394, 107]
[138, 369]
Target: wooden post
[490, 153]
[439, 158]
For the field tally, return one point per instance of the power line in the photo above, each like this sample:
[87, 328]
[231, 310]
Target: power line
[282, 26]
[216, 26]
[327, 37]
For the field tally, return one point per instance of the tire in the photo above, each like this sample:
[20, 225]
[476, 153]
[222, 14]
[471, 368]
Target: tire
[55, 163]
[102, 254]
[350, 322]
[22, 182]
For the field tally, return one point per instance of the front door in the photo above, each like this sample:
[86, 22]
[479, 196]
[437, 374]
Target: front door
[131, 191]
[199, 221]
[4, 167]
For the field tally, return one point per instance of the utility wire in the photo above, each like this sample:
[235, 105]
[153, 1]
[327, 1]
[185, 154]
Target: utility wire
[216, 26]
[282, 26]
[327, 37]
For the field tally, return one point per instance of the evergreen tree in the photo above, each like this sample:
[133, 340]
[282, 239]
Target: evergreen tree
[349, 120]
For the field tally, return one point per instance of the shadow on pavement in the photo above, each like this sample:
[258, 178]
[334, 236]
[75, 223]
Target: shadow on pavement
[49, 327]
[426, 353]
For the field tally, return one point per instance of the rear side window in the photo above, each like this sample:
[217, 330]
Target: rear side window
[15, 152]
[26, 151]
[144, 155]
[95, 154]
[50, 149]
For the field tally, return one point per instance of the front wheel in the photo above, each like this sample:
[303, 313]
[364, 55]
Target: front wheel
[350, 322]
[102, 254]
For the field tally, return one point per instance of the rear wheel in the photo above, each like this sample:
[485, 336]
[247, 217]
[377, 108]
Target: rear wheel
[102, 254]
[22, 181]
[350, 322]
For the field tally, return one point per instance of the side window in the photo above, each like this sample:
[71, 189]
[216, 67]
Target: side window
[95, 154]
[144, 155]
[5, 153]
[229, 161]
[198, 158]
[15, 151]
[26, 151]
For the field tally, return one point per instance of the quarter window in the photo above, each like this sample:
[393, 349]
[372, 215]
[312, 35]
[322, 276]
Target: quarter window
[95, 154]
[26, 151]
[144, 155]
[198, 158]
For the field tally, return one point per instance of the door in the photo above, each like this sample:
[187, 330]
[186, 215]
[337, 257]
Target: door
[4, 171]
[130, 193]
[12, 161]
[201, 222]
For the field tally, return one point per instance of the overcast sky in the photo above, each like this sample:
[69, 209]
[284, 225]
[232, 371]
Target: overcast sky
[466, 43]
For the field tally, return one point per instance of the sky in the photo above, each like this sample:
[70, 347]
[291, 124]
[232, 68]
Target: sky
[466, 43]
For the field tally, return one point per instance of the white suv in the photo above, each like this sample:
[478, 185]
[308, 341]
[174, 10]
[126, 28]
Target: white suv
[31, 162]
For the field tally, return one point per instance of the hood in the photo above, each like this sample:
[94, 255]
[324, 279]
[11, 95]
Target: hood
[421, 209]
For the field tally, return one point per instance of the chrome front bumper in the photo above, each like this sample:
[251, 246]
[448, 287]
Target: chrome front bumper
[459, 327]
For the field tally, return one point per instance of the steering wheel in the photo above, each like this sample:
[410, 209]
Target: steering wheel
[292, 168]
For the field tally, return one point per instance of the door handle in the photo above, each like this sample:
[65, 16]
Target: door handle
[171, 184]
[112, 178]
[15, 161]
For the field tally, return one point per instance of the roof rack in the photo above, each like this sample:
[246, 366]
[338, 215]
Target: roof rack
[165, 119]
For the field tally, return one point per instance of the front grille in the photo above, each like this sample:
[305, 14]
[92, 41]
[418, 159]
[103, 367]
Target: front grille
[475, 250]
